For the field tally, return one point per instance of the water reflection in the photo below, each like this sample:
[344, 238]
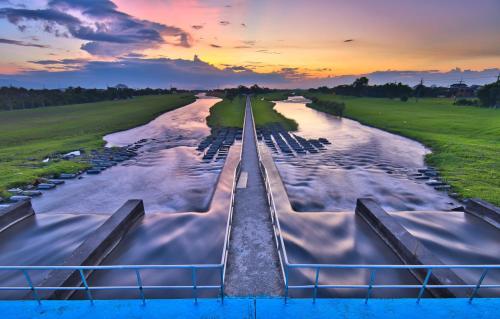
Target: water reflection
[167, 174]
[361, 162]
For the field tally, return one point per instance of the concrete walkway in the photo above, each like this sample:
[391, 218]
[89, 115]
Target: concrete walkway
[253, 264]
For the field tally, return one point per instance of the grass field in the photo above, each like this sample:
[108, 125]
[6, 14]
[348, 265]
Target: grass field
[28, 136]
[264, 113]
[465, 141]
[227, 113]
[231, 113]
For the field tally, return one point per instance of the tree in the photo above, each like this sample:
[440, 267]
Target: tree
[489, 95]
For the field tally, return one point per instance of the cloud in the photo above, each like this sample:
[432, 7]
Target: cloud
[61, 62]
[244, 25]
[22, 43]
[266, 51]
[224, 23]
[215, 46]
[136, 72]
[349, 40]
[197, 27]
[197, 74]
[110, 32]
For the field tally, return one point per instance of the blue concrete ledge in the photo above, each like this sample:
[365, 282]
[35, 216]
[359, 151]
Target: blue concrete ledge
[254, 308]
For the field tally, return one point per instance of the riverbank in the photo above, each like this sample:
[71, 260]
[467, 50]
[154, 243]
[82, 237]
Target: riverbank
[465, 141]
[230, 113]
[29, 136]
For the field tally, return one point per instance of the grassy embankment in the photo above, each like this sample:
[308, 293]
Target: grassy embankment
[465, 141]
[229, 113]
[28, 136]
[265, 114]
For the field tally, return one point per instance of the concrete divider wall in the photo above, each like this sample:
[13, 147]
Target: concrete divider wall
[409, 249]
[15, 213]
[484, 210]
[93, 250]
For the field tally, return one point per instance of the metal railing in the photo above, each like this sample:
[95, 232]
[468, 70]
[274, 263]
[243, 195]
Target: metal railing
[286, 266]
[85, 271]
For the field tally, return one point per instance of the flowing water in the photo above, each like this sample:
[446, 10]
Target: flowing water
[361, 162]
[366, 162]
[166, 174]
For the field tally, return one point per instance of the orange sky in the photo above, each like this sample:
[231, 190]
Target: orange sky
[318, 38]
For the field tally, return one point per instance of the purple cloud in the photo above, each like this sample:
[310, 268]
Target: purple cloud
[110, 32]
[22, 43]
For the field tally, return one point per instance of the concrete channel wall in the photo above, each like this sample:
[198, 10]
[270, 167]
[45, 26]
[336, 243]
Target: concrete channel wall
[15, 213]
[484, 210]
[410, 250]
[93, 250]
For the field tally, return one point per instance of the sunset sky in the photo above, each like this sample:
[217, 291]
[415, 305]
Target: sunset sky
[282, 43]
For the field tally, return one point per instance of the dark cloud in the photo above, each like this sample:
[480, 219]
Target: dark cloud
[22, 43]
[266, 51]
[110, 32]
[191, 74]
[197, 74]
[134, 55]
[243, 47]
[224, 23]
[215, 46]
[197, 27]
[349, 40]
[243, 25]
[60, 62]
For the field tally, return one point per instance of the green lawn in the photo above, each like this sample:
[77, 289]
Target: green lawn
[36, 133]
[230, 113]
[465, 140]
[264, 113]
[227, 113]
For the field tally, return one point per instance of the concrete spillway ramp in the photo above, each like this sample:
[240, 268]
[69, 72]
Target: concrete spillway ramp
[457, 238]
[94, 249]
[45, 239]
[253, 264]
[409, 248]
[484, 210]
[332, 238]
[181, 238]
[15, 213]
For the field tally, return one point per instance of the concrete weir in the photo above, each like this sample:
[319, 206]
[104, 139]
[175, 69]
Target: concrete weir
[407, 247]
[253, 264]
[93, 250]
[15, 214]
[484, 210]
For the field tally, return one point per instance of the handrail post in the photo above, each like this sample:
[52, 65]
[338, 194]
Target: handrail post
[286, 283]
[370, 286]
[195, 294]
[87, 290]
[422, 289]
[222, 284]
[315, 292]
[478, 285]
[33, 290]
[141, 289]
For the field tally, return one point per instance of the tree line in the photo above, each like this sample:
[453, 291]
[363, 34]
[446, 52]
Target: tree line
[231, 93]
[14, 98]
[487, 95]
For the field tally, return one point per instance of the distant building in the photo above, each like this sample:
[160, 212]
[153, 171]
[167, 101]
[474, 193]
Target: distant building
[462, 90]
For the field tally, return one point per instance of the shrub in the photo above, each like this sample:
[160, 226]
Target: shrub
[331, 107]
[466, 102]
